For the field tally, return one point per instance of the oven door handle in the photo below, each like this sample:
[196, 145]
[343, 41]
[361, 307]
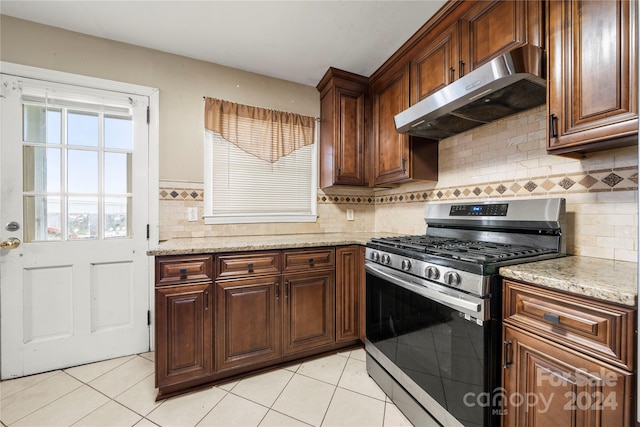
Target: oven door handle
[472, 308]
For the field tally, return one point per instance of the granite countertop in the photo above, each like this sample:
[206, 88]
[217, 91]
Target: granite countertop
[201, 245]
[608, 280]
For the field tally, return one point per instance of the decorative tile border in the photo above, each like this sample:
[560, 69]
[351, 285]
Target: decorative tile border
[617, 179]
[181, 194]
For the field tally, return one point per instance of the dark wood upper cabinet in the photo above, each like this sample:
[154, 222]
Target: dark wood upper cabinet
[343, 106]
[493, 28]
[593, 67]
[471, 35]
[397, 157]
[434, 66]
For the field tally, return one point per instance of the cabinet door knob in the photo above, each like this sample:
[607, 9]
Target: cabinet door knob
[452, 74]
[286, 289]
[461, 68]
[277, 290]
[206, 300]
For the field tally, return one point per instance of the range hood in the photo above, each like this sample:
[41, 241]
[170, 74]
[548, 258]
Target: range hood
[511, 83]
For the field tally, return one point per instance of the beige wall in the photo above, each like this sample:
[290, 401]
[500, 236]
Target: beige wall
[182, 83]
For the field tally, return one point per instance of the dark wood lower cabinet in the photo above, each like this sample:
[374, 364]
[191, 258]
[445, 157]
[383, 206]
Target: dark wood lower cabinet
[262, 309]
[548, 385]
[349, 273]
[309, 310]
[248, 326]
[184, 323]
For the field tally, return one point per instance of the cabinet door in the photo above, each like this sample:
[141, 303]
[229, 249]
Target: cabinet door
[434, 67]
[390, 149]
[248, 326]
[547, 385]
[493, 28]
[184, 349]
[309, 310]
[349, 138]
[349, 270]
[592, 74]
[342, 128]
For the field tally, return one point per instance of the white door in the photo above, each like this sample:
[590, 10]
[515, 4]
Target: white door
[74, 173]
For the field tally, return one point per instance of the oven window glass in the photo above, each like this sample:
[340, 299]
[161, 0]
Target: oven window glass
[435, 346]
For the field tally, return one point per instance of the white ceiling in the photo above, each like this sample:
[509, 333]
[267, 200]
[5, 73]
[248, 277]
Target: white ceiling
[290, 40]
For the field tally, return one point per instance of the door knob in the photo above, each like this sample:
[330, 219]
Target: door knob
[10, 243]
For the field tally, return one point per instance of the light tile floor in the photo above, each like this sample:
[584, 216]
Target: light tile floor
[331, 391]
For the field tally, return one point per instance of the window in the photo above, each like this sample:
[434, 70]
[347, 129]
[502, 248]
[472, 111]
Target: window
[77, 170]
[260, 165]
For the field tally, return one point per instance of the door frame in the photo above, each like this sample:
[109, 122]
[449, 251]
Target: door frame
[153, 94]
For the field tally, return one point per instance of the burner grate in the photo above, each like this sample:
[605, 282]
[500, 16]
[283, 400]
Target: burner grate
[465, 250]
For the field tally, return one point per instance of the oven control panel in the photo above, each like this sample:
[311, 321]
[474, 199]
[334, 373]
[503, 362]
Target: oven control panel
[491, 209]
[462, 280]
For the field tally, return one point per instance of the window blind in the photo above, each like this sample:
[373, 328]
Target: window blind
[242, 188]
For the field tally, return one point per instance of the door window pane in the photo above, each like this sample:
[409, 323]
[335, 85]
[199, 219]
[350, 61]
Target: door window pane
[117, 173]
[116, 217]
[82, 129]
[42, 218]
[82, 171]
[41, 127]
[41, 169]
[118, 132]
[82, 218]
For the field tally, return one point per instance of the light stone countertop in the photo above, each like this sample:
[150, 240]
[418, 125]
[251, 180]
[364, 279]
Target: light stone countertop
[608, 280]
[202, 245]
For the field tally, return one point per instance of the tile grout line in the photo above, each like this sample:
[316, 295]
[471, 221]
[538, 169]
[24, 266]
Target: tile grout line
[54, 400]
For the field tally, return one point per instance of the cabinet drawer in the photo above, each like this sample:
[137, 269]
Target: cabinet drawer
[598, 329]
[183, 269]
[309, 259]
[248, 264]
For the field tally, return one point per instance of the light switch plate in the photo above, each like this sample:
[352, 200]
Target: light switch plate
[350, 215]
[192, 214]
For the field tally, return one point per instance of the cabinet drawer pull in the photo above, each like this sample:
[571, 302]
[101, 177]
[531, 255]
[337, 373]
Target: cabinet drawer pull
[507, 362]
[183, 273]
[552, 318]
[553, 123]
[461, 68]
[277, 290]
[310, 261]
[250, 267]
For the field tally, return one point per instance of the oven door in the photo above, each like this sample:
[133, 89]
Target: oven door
[441, 346]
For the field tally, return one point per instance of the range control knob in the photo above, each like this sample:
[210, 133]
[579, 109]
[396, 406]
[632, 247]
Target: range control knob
[451, 278]
[386, 259]
[375, 256]
[432, 273]
[406, 265]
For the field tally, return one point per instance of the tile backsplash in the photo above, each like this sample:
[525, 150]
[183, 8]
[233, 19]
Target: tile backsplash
[504, 159]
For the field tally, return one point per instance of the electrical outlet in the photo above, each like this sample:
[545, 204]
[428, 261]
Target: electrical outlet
[350, 215]
[192, 214]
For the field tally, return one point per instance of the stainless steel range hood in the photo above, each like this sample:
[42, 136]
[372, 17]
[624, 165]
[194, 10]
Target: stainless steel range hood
[506, 85]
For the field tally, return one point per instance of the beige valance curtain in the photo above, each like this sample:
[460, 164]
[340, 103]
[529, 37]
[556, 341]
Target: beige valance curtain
[266, 134]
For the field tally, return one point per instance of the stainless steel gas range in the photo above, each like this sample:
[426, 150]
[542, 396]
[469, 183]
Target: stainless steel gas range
[433, 305]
